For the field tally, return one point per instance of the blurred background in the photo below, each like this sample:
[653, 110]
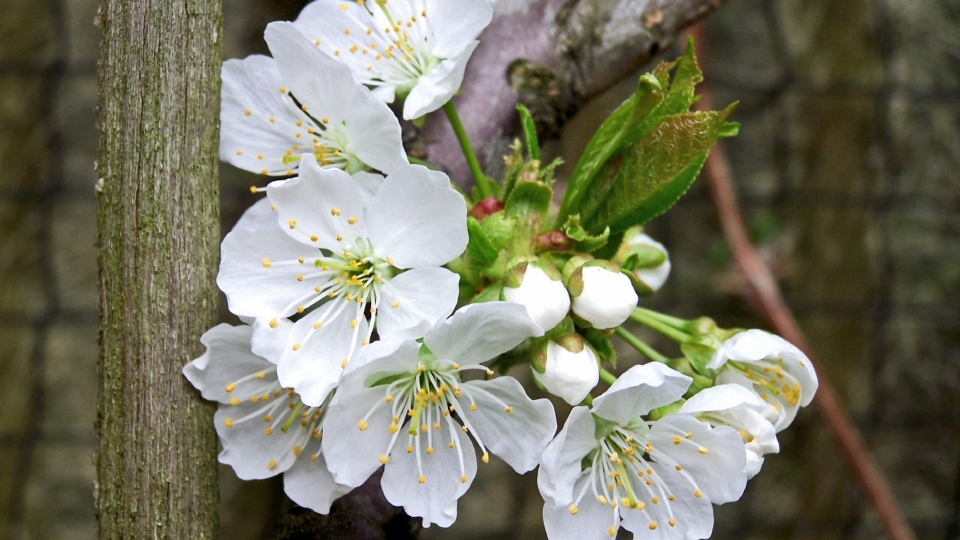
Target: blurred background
[848, 164]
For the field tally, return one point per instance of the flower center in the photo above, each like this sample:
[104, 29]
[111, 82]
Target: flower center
[776, 386]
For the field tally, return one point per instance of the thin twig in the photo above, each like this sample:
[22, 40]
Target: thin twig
[769, 298]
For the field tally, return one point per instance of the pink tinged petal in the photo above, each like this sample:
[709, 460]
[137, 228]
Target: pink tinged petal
[517, 436]
[456, 24]
[225, 363]
[415, 301]
[319, 348]
[253, 443]
[309, 483]
[444, 480]
[638, 391]
[434, 89]
[315, 208]
[353, 454]
[560, 462]
[478, 332]
[692, 516]
[251, 98]
[417, 219]
[592, 520]
[713, 457]
[258, 266]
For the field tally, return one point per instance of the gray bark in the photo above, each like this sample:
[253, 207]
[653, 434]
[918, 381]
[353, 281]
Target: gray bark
[158, 217]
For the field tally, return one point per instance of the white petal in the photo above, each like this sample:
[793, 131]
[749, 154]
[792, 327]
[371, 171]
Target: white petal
[591, 522]
[386, 92]
[227, 360]
[369, 184]
[757, 345]
[714, 457]
[318, 204]
[478, 332]
[309, 483]
[517, 437]
[270, 338]
[422, 296]
[432, 499]
[321, 352]
[417, 218]
[569, 375]
[607, 299]
[325, 21]
[638, 391]
[721, 398]
[378, 361]
[246, 446]
[652, 277]
[373, 132]
[252, 275]
[560, 461]
[693, 516]
[437, 87]
[456, 24]
[353, 454]
[547, 300]
[253, 85]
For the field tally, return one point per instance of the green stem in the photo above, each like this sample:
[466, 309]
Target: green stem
[641, 316]
[679, 324]
[639, 345]
[479, 179]
[607, 377]
[588, 400]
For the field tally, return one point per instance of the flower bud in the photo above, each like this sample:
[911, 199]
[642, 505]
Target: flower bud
[603, 297]
[645, 261]
[570, 369]
[536, 286]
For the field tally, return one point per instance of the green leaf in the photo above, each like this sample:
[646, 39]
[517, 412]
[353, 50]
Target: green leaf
[651, 174]
[547, 173]
[529, 131]
[698, 355]
[529, 198]
[601, 344]
[583, 241]
[480, 247]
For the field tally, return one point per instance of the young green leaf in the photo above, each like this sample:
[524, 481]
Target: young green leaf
[582, 240]
[479, 246]
[529, 131]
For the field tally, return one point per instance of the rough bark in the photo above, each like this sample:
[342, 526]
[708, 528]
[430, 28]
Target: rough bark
[554, 56]
[158, 217]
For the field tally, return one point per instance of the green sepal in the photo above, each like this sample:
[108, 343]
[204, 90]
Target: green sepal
[480, 247]
[529, 198]
[498, 228]
[698, 355]
[529, 131]
[603, 428]
[729, 129]
[643, 256]
[490, 294]
[583, 241]
[666, 410]
[601, 344]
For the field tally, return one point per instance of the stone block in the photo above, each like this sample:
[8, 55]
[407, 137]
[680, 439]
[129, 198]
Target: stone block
[74, 251]
[70, 383]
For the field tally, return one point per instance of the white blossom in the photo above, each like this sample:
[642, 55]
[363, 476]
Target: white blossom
[537, 287]
[602, 296]
[652, 278]
[570, 369]
[409, 409]
[659, 477]
[318, 250]
[300, 101]
[770, 366]
[415, 50]
[735, 406]
[265, 428]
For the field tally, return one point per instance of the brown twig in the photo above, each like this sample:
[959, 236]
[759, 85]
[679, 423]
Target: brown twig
[766, 292]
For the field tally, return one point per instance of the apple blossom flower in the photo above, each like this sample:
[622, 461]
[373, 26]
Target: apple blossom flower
[416, 50]
[265, 429]
[608, 463]
[735, 406]
[318, 250]
[406, 407]
[300, 101]
[602, 296]
[770, 366]
[568, 368]
[537, 286]
[646, 262]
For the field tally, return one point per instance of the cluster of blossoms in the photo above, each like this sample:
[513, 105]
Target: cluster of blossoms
[379, 302]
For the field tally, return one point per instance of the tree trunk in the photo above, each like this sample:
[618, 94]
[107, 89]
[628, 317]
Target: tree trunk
[158, 214]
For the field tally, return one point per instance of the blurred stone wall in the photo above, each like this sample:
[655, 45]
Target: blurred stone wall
[847, 164]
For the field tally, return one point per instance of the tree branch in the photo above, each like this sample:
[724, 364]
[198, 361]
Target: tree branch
[159, 228]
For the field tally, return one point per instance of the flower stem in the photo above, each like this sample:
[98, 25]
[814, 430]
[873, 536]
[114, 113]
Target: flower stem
[652, 320]
[588, 400]
[607, 377]
[479, 179]
[679, 324]
[639, 345]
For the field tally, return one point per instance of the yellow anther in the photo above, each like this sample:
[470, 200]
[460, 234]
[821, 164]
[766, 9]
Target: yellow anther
[313, 457]
[625, 502]
[230, 387]
[702, 450]
[254, 399]
[424, 428]
[389, 399]
[247, 112]
[234, 401]
[266, 263]
[272, 120]
[239, 152]
[573, 509]
[602, 499]
[299, 309]
[486, 457]
[384, 459]
[362, 425]
[409, 449]
[352, 220]
[429, 450]
[653, 525]
[317, 324]
[343, 363]
[394, 428]
[612, 531]
[509, 409]
[317, 43]
[671, 497]
[272, 464]
[688, 435]
[263, 171]
[339, 238]
[259, 156]
[346, 31]
[314, 238]
[655, 500]
[473, 406]
[489, 372]
[274, 323]
[672, 522]
[292, 223]
[452, 445]
[676, 440]
[354, 323]
[697, 494]
[283, 89]
[304, 107]
[228, 422]
[268, 432]
[334, 211]
[422, 479]
[463, 479]
[297, 346]
[353, 48]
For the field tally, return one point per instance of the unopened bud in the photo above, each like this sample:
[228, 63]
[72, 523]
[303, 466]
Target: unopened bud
[536, 286]
[570, 370]
[645, 261]
[603, 297]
